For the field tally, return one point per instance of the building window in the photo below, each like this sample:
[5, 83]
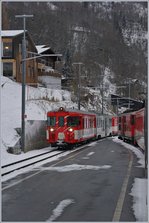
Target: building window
[8, 69]
[7, 49]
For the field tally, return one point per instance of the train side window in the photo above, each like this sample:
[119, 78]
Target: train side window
[86, 123]
[83, 123]
[124, 127]
[97, 122]
[103, 126]
[61, 121]
[89, 122]
[73, 121]
[132, 119]
[51, 121]
[119, 127]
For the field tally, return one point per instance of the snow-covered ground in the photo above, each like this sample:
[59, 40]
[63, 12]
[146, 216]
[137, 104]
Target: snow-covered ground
[38, 102]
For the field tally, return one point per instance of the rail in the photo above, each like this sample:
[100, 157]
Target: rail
[9, 168]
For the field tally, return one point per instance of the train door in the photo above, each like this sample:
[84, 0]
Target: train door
[119, 127]
[132, 120]
[122, 126]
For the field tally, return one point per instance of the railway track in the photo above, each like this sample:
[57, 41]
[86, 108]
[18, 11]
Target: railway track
[9, 168]
[22, 164]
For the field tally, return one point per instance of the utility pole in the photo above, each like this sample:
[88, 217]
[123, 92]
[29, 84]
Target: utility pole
[23, 79]
[129, 95]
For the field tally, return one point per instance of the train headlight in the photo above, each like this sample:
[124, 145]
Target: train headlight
[51, 130]
[70, 130]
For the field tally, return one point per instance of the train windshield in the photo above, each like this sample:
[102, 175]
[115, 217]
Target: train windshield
[61, 121]
[73, 121]
[51, 121]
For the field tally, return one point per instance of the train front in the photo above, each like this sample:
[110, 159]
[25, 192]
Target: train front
[62, 128]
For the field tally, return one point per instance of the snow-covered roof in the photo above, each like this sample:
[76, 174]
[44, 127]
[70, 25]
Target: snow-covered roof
[42, 48]
[5, 33]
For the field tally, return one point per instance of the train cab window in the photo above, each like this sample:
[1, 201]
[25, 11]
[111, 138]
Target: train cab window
[61, 121]
[51, 121]
[73, 121]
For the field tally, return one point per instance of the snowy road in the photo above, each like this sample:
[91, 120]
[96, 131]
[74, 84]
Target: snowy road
[94, 184]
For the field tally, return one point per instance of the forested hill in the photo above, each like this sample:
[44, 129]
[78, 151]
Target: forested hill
[103, 35]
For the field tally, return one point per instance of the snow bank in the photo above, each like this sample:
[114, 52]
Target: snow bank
[139, 193]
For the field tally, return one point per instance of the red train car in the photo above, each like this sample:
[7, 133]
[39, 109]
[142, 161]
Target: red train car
[139, 128]
[131, 127]
[67, 128]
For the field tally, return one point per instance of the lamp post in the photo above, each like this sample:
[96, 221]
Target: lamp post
[24, 59]
[23, 79]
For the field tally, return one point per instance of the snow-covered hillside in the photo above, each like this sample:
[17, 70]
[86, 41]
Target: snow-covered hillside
[38, 102]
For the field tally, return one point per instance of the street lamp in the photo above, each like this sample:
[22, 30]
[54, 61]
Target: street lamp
[24, 59]
[23, 79]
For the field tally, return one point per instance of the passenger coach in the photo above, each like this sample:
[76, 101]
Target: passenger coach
[131, 127]
[66, 128]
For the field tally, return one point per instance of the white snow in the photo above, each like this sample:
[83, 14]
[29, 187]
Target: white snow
[139, 191]
[11, 32]
[60, 208]
[75, 167]
[90, 154]
[50, 81]
[42, 48]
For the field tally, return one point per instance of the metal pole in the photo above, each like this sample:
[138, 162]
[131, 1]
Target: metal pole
[117, 106]
[23, 80]
[102, 97]
[23, 86]
[146, 135]
[102, 90]
[129, 94]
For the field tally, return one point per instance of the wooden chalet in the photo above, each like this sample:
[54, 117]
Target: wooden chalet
[46, 64]
[12, 56]
[47, 67]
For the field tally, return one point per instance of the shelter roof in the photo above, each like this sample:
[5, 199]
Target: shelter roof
[11, 33]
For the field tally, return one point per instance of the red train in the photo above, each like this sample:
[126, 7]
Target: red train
[66, 128]
[131, 127]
